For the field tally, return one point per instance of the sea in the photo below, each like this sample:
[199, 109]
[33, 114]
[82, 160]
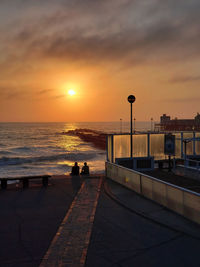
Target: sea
[28, 149]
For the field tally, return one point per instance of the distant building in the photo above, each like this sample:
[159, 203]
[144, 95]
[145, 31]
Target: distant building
[166, 124]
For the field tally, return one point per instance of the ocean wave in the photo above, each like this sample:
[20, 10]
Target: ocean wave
[22, 148]
[50, 158]
[32, 148]
[2, 145]
[5, 152]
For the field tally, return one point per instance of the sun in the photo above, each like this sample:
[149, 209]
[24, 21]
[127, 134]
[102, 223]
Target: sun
[71, 92]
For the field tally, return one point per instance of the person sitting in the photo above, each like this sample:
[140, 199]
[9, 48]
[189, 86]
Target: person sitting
[75, 169]
[85, 169]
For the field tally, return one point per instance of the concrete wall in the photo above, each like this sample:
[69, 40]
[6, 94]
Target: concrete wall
[190, 172]
[182, 201]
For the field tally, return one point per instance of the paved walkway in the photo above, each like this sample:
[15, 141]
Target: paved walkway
[142, 234]
[29, 219]
[56, 226]
[69, 246]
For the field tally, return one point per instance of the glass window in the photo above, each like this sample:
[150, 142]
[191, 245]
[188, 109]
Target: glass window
[121, 146]
[189, 145]
[177, 144]
[140, 145]
[157, 146]
[109, 147]
[197, 144]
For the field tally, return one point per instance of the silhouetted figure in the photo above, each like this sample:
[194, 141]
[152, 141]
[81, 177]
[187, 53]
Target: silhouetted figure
[75, 169]
[85, 169]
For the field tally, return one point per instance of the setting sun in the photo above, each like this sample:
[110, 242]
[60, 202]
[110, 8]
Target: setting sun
[71, 92]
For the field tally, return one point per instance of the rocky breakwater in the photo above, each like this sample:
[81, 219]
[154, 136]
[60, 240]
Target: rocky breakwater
[97, 138]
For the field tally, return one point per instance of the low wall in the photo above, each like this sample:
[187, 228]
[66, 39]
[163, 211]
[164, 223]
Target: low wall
[182, 201]
[188, 171]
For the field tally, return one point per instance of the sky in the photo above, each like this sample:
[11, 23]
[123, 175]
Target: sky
[104, 51]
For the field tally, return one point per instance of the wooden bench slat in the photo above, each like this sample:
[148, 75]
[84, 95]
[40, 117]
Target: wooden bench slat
[25, 180]
[25, 177]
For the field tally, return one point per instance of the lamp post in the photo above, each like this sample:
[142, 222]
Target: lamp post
[131, 100]
[120, 125]
[151, 124]
[134, 125]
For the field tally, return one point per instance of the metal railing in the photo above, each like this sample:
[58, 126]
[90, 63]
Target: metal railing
[192, 163]
[176, 198]
[152, 145]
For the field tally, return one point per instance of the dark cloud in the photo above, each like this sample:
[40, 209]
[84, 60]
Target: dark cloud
[11, 93]
[58, 96]
[45, 91]
[185, 79]
[48, 94]
[165, 41]
[185, 100]
[126, 31]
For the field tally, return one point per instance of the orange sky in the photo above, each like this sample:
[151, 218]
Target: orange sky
[104, 51]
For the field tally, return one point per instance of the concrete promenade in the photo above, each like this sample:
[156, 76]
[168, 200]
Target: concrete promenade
[130, 230]
[29, 219]
[72, 223]
[70, 244]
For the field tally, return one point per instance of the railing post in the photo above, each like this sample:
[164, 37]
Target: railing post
[112, 149]
[174, 163]
[181, 144]
[25, 182]
[194, 144]
[3, 184]
[148, 144]
[187, 162]
[107, 147]
[45, 181]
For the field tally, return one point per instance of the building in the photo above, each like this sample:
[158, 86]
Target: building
[168, 124]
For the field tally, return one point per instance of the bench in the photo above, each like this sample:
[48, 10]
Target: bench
[25, 180]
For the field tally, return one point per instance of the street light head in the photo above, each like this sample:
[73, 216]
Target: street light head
[131, 98]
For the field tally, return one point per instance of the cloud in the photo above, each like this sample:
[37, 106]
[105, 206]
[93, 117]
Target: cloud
[58, 96]
[11, 93]
[34, 94]
[165, 40]
[45, 91]
[48, 94]
[129, 32]
[185, 100]
[185, 79]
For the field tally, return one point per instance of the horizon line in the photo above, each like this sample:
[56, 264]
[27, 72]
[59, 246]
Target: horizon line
[69, 121]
